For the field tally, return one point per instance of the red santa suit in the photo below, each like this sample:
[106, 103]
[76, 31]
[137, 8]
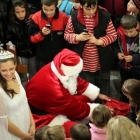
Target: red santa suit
[48, 91]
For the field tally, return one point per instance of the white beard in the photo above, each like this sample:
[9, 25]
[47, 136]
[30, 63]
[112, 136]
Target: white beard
[70, 83]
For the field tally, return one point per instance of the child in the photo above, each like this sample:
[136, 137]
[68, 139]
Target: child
[50, 133]
[133, 7]
[100, 117]
[80, 132]
[40, 132]
[121, 128]
[16, 121]
[93, 45]
[130, 89]
[128, 50]
[46, 31]
[17, 32]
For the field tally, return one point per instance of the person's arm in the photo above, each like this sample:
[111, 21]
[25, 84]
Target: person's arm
[136, 59]
[17, 132]
[32, 125]
[111, 35]
[9, 34]
[69, 34]
[7, 126]
[132, 114]
[34, 32]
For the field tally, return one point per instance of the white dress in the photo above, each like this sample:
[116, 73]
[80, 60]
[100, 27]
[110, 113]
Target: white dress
[14, 109]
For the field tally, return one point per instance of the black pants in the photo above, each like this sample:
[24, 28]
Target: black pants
[40, 64]
[101, 80]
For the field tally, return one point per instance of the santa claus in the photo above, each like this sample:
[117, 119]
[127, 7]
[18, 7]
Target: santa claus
[56, 94]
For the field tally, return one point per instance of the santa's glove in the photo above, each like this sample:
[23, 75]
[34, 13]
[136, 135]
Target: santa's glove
[11, 45]
[92, 106]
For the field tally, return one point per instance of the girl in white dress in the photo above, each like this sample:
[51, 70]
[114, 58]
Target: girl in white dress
[16, 121]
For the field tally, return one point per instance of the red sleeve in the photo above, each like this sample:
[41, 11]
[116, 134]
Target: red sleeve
[69, 34]
[45, 92]
[111, 34]
[82, 86]
[34, 30]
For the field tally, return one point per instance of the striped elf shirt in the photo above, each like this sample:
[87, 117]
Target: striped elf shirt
[90, 53]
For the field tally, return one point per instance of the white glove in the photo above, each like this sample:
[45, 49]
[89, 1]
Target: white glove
[92, 106]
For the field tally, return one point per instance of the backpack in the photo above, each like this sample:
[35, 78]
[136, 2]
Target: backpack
[66, 6]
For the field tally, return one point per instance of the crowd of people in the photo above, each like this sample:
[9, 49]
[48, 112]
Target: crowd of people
[69, 59]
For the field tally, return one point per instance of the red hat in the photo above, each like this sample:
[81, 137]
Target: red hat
[137, 3]
[68, 63]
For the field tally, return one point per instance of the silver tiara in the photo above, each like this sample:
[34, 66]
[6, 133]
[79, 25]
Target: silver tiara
[5, 54]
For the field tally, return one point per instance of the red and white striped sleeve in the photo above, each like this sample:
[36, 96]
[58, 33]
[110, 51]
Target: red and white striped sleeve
[69, 34]
[111, 35]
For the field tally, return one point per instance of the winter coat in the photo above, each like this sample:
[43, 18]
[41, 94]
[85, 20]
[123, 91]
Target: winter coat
[17, 32]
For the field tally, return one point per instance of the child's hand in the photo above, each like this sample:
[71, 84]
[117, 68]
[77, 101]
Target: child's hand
[46, 31]
[32, 130]
[29, 19]
[128, 58]
[28, 136]
[94, 40]
[112, 111]
[120, 56]
[82, 37]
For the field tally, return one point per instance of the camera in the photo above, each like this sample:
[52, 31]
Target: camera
[48, 26]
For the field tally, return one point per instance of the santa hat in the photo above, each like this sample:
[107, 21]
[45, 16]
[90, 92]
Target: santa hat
[68, 63]
[137, 3]
[65, 64]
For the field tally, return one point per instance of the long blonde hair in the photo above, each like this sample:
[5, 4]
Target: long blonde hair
[121, 128]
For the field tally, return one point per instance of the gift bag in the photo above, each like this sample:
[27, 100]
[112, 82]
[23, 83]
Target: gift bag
[119, 107]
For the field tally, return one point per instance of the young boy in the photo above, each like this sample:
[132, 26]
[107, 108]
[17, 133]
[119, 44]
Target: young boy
[133, 7]
[100, 117]
[92, 45]
[40, 132]
[80, 132]
[128, 50]
[46, 30]
[50, 133]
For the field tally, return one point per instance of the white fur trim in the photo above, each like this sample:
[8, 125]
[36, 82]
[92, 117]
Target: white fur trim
[92, 91]
[92, 106]
[58, 120]
[56, 71]
[72, 70]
